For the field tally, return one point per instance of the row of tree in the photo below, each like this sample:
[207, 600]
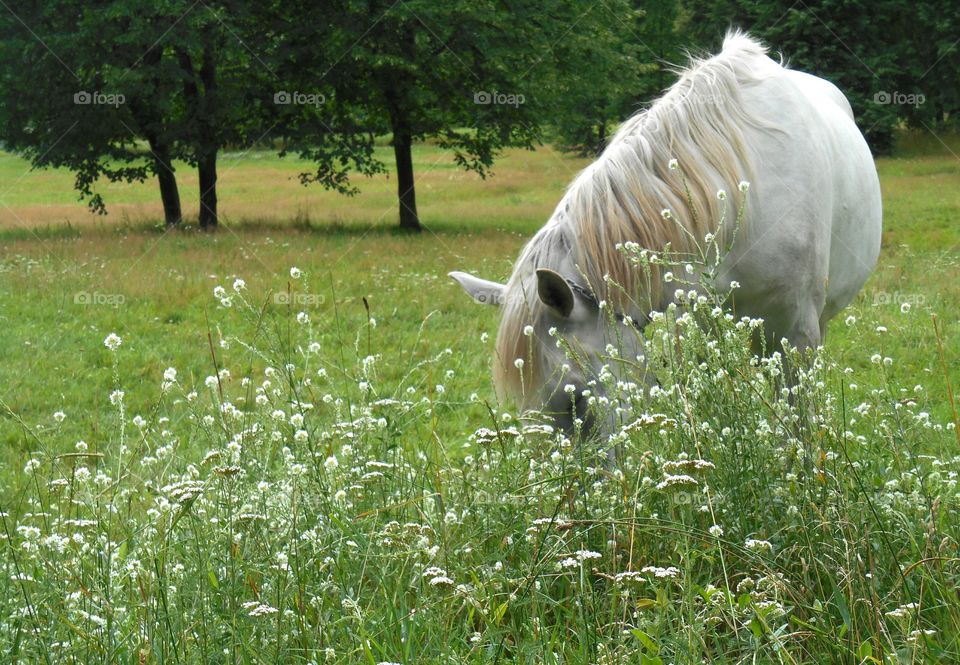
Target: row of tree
[119, 90]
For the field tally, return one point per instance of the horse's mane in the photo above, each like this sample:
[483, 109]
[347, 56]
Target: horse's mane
[620, 196]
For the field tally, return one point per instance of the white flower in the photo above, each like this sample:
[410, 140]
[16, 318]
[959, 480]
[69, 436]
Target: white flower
[716, 531]
[666, 214]
[902, 611]
[673, 164]
[303, 318]
[437, 576]
[113, 341]
[518, 363]
[116, 397]
[851, 320]
[905, 308]
[528, 330]
[743, 186]
[656, 571]
[59, 416]
[629, 576]
[295, 272]
[756, 545]
[170, 374]
[722, 195]
[256, 609]
[678, 480]
[239, 285]
[569, 388]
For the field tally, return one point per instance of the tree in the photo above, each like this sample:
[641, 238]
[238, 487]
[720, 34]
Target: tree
[182, 79]
[597, 76]
[474, 76]
[74, 95]
[214, 70]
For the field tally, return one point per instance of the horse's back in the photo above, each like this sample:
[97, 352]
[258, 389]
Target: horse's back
[814, 214]
[856, 211]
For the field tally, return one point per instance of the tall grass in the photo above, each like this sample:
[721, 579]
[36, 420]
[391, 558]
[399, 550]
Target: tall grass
[303, 505]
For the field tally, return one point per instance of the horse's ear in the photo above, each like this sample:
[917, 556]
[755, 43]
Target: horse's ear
[481, 290]
[554, 292]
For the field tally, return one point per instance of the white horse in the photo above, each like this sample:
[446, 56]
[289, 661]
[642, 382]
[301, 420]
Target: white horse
[809, 238]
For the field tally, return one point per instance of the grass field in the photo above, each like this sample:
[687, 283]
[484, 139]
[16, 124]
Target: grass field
[348, 245]
[362, 587]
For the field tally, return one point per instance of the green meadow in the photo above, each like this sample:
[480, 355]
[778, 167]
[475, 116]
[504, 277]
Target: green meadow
[156, 286]
[328, 477]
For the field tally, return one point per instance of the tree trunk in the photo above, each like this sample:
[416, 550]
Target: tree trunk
[209, 109]
[169, 193]
[207, 169]
[402, 150]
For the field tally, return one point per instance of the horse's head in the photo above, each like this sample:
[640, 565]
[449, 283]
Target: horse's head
[558, 345]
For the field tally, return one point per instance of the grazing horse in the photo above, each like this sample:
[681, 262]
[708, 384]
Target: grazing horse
[808, 239]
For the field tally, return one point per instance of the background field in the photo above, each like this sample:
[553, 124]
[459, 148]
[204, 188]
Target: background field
[67, 278]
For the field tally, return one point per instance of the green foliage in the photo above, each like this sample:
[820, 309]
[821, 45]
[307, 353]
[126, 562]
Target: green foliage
[468, 75]
[597, 75]
[65, 53]
[618, 59]
[473, 77]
